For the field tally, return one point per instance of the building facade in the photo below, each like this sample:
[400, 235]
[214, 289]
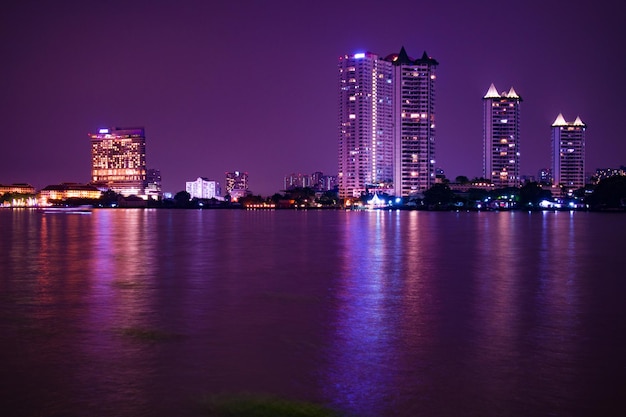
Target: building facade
[317, 181]
[64, 191]
[414, 123]
[365, 152]
[153, 184]
[237, 184]
[293, 181]
[118, 160]
[203, 188]
[568, 152]
[386, 124]
[17, 189]
[501, 137]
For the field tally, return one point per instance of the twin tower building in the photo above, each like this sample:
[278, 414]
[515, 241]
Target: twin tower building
[387, 130]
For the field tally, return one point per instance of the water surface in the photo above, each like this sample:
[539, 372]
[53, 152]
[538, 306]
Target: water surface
[144, 312]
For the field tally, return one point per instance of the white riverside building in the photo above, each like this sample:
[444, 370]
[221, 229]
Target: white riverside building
[386, 124]
[568, 152]
[203, 188]
[501, 137]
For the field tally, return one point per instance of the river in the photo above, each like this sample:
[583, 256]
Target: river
[374, 313]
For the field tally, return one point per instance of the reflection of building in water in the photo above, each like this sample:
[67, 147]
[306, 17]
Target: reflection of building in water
[118, 160]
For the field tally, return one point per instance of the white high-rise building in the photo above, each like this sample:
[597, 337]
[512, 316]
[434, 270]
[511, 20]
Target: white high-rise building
[501, 137]
[386, 124]
[568, 152]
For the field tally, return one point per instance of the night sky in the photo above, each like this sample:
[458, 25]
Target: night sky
[252, 85]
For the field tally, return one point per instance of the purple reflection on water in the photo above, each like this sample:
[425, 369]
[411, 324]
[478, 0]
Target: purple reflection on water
[139, 312]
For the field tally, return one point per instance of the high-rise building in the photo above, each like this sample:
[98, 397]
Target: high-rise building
[568, 152]
[501, 137]
[203, 188]
[414, 123]
[236, 184]
[365, 123]
[386, 124]
[118, 160]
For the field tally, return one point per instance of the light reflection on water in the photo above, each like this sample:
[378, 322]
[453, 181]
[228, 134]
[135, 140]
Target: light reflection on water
[142, 312]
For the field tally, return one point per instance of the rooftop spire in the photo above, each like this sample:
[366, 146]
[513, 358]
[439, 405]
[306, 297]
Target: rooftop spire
[579, 122]
[560, 121]
[492, 92]
[512, 93]
[402, 58]
[425, 59]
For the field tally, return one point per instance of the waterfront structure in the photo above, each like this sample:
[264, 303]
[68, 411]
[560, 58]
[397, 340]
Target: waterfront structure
[386, 124]
[501, 137]
[153, 184]
[414, 123]
[203, 188]
[118, 160]
[17, 189]
[68, 190]
[237, 184]
[365, 151]
[17, 195]
[568, 152]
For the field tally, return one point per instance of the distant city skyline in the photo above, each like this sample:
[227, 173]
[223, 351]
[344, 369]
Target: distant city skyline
[252, 86]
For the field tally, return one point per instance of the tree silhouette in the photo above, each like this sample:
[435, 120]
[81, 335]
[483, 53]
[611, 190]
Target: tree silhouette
[182, 198]
[610, 193]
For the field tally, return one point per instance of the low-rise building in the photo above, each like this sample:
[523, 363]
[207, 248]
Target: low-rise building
[64, 191]
[17, 189]
[203, 188]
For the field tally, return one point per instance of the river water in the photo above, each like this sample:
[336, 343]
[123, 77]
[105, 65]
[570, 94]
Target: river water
[147, 312]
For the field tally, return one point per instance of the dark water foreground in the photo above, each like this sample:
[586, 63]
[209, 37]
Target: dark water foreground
[145, 313]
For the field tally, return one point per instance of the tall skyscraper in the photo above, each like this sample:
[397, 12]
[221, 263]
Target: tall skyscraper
[414, 123]
[365, 123]
[386, 124]
[568, 152]
[118, 160]
[501, 137]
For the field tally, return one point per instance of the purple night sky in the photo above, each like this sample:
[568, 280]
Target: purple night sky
[252, 85]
